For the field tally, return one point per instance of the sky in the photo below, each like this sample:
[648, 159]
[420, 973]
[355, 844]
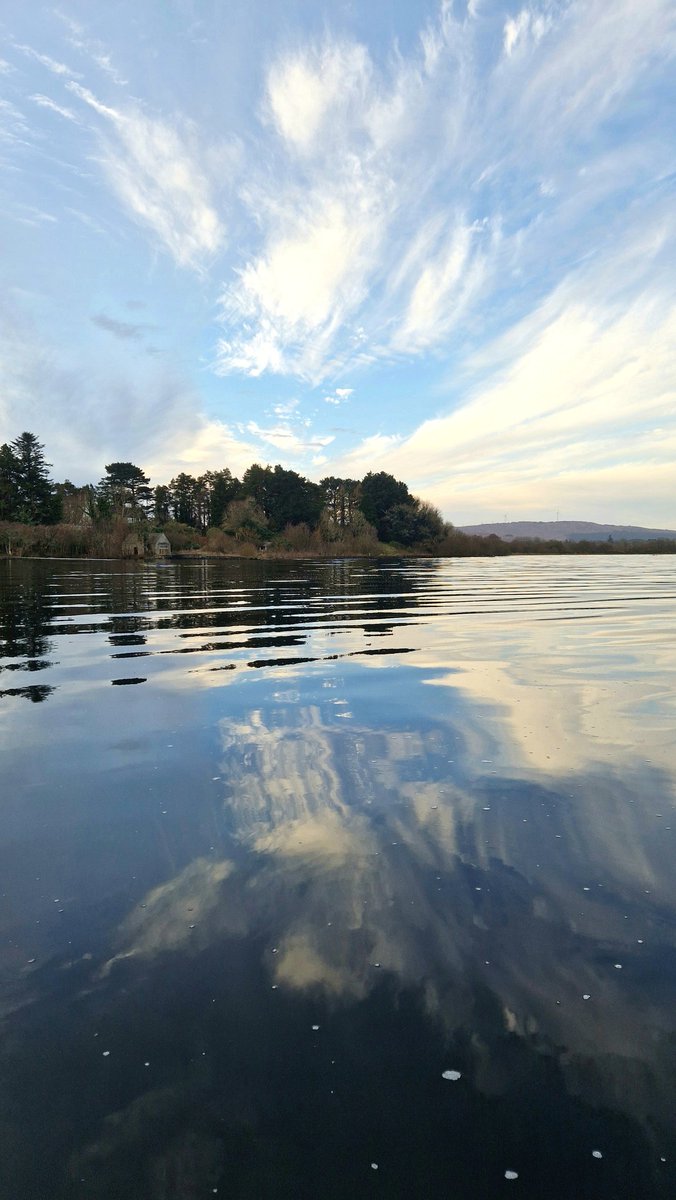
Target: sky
[434, 239]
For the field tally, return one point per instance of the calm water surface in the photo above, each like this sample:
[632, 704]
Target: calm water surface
[284, 844]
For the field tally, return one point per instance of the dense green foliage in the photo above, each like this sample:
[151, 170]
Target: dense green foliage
[26, 492]
[269, 508]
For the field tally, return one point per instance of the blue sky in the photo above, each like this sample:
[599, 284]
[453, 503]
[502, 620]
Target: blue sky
[432, 239]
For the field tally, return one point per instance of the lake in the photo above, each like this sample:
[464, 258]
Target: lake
[338, 879]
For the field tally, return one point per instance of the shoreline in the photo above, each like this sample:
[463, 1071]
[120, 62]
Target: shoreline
[567, 551]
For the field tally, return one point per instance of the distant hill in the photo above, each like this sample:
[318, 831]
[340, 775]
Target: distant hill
[568, 531]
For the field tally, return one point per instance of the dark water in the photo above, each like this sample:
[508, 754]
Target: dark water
[282, 843]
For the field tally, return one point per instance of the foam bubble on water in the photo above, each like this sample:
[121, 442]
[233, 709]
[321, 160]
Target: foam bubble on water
[374, 1166]
[315, 1027]
[451, 1075]
[106, 1053]
[618, 966]
[511, 1174]
[586, 996]
[596, 1154]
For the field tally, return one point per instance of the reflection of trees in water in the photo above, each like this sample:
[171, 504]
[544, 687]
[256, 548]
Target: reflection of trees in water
[25, 615]
[36, 692]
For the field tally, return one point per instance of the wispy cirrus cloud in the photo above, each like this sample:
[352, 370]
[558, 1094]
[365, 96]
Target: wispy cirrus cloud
[411, 192]
[92, 48]
[61, 110]
[51, 64]
[158, 173]
[577, 396]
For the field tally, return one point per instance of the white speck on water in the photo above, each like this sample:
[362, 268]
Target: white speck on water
[640, 941]
[164, 812]
[374, 1166]
[596, 1154]
[274, 987]
[315, 1027]
[586, 889]
[451, 1075]
[146, 1064]
[618, 966]
[31, 960]
[376, 964]
[511, 1174]
[106, 1053]
[586, 996]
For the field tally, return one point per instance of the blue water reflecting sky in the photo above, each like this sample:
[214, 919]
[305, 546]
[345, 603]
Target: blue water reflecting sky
[454, 856]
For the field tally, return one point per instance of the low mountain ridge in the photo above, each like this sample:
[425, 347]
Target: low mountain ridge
[567, 531]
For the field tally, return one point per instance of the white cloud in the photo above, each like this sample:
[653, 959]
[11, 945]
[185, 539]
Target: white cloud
[13, 127]
[158, 173]
[338, 396]
[46, 102]
[528, 26]
[306, 88]
[283, 436]
[90, 47]
[196, 445]
[56, 68]
[285, 408]
[446, 283]
[401, 199]
[290, 301]
[568, 412]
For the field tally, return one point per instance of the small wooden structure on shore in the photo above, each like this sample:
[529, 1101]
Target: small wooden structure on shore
[161, 546]
[133, 546]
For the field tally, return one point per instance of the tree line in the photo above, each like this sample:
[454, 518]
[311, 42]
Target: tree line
[270, 507]
[267, 505]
